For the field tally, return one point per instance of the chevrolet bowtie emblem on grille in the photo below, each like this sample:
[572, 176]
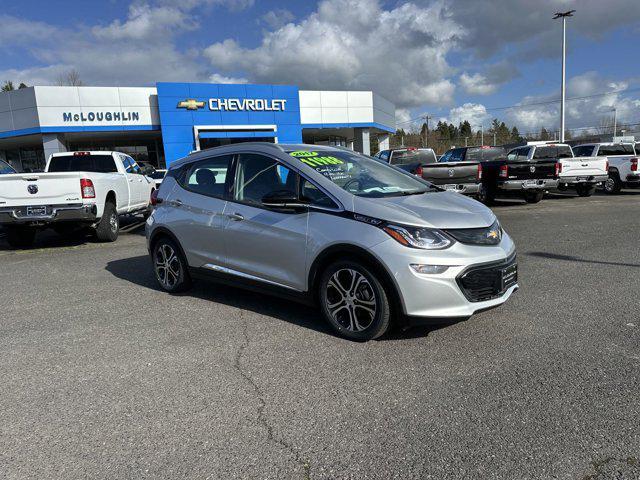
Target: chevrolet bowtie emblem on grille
[191, 104]
[492, 234]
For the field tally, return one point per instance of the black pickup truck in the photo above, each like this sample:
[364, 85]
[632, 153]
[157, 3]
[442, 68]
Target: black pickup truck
[520, 174]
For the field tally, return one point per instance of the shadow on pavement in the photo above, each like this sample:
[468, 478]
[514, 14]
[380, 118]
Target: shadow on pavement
[139, 271]
[571, 258]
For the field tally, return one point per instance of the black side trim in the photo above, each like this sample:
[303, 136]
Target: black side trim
[252, 285]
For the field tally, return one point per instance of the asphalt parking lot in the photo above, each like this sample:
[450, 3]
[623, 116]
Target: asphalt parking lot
[104, 376]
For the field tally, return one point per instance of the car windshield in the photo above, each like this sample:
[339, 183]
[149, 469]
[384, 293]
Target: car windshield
[6, 168]
[360, 175]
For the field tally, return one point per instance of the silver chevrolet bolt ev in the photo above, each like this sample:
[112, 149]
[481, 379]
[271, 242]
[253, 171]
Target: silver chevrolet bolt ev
[368, 242]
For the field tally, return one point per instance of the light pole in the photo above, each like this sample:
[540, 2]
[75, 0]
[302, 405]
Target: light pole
[564, 16]
[615, 121]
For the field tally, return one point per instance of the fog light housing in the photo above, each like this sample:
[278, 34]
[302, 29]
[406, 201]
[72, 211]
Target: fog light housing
[429, 269]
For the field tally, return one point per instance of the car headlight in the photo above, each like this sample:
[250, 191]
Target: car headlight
[418, 237]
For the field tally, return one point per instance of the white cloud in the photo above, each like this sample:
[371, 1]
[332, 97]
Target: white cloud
[217, 78]
[477, 84]
[475, 113]
[276, 19]
[16, 31]
[355, 44]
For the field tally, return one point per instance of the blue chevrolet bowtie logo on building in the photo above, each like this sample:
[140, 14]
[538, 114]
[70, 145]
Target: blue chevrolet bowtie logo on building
[191, 104]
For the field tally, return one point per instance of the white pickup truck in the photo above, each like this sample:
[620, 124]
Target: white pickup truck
[622, 164]
[77, 189]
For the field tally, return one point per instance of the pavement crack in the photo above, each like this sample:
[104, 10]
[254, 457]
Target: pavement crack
[262, 404]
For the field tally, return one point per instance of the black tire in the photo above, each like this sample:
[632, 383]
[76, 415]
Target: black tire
[109, 226]
[585, 190]
[365, 290]
[20, 237]
[486, 195]
[534, 197]
[613, 185]
[169, 266]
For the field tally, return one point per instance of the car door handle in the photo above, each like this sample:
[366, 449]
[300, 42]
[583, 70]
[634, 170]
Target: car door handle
[176, 203]
[235, 217]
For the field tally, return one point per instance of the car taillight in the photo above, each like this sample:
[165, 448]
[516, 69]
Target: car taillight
[634, 164]
[558, 168]
[480, 171]
[504, 171]
[86, 187]
[154, 198]
[418, 171]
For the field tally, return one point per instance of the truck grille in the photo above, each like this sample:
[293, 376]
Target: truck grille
[488, 281]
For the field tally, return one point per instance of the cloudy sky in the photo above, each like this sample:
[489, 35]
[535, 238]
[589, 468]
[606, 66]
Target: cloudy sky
[452, 59]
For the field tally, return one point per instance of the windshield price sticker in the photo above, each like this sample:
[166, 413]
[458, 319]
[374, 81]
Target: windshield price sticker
[314, 160]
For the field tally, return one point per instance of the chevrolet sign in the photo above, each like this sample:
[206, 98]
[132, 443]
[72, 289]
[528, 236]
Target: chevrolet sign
[236, 104]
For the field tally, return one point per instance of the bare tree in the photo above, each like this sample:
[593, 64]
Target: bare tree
[69, 78]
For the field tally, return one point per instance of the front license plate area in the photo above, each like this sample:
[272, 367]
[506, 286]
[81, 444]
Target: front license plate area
[36, 211]
[509, 276]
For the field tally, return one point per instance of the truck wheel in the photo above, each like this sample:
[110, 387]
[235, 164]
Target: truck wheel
[585, 190]
[486, 195]
[354, 301]
[170, 266]
[109, 226]
[613, 184]
[20, 237]
[534, 197]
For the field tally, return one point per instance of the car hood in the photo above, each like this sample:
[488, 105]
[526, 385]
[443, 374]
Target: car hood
[431, 209]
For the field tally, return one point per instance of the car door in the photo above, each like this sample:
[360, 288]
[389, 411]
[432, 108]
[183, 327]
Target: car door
[131, 181]
[197, 205]
[263, 243]
[140, 184]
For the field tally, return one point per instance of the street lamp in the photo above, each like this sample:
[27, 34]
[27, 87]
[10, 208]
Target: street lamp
[615, 121]
[564, 16]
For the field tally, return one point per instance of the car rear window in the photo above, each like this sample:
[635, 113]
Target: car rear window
[620, 149]
[402, 157]
[552, 152]
[83, 163]
[583, 151]
[6, 168]
[484, 154]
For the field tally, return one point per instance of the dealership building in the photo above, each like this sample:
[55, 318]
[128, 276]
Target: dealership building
[163, 123]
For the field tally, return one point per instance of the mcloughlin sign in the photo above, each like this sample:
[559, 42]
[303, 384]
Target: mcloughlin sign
[101, 117]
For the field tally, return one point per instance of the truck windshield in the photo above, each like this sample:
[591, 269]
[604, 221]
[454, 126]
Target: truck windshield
[83, 163]
[6, 168]
[360, 175]
[422, 156]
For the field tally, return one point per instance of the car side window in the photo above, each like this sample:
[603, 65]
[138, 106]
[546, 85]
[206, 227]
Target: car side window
[208, 177]
[445, 157]
[523, 153]
[126, 164]
[384, 155]
[309, 192]
[135, 168]
[257, 175]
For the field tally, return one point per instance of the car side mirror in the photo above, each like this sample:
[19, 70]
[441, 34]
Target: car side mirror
[148, 170]
[283, 200]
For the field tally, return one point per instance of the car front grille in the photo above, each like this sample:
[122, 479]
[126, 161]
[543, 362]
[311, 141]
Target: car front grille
[485, 282]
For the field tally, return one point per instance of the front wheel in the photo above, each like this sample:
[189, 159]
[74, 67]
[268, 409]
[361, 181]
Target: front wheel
[534, 197]
[354, 301]
[613, 184]
[170, 267]
[585, 190]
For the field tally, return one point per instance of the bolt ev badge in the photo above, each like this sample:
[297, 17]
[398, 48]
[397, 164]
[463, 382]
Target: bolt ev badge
[32, 189]
[191, 104]
[532, 169]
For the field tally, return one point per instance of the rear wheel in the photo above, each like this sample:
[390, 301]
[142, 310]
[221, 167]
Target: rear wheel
[534, 197]
[170, 266]
[613, 184]
[585, 190]
[354, 301]
[109, 226]
[20, 237]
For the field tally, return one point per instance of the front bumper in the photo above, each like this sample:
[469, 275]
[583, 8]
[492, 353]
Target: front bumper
[464, 188]
[445, 295]
[53, 214]
[528, 185]
[581, 179]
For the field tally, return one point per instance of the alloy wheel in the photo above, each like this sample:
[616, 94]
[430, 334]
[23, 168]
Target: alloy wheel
[351, 300]
[167, 266]
[113, 222]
